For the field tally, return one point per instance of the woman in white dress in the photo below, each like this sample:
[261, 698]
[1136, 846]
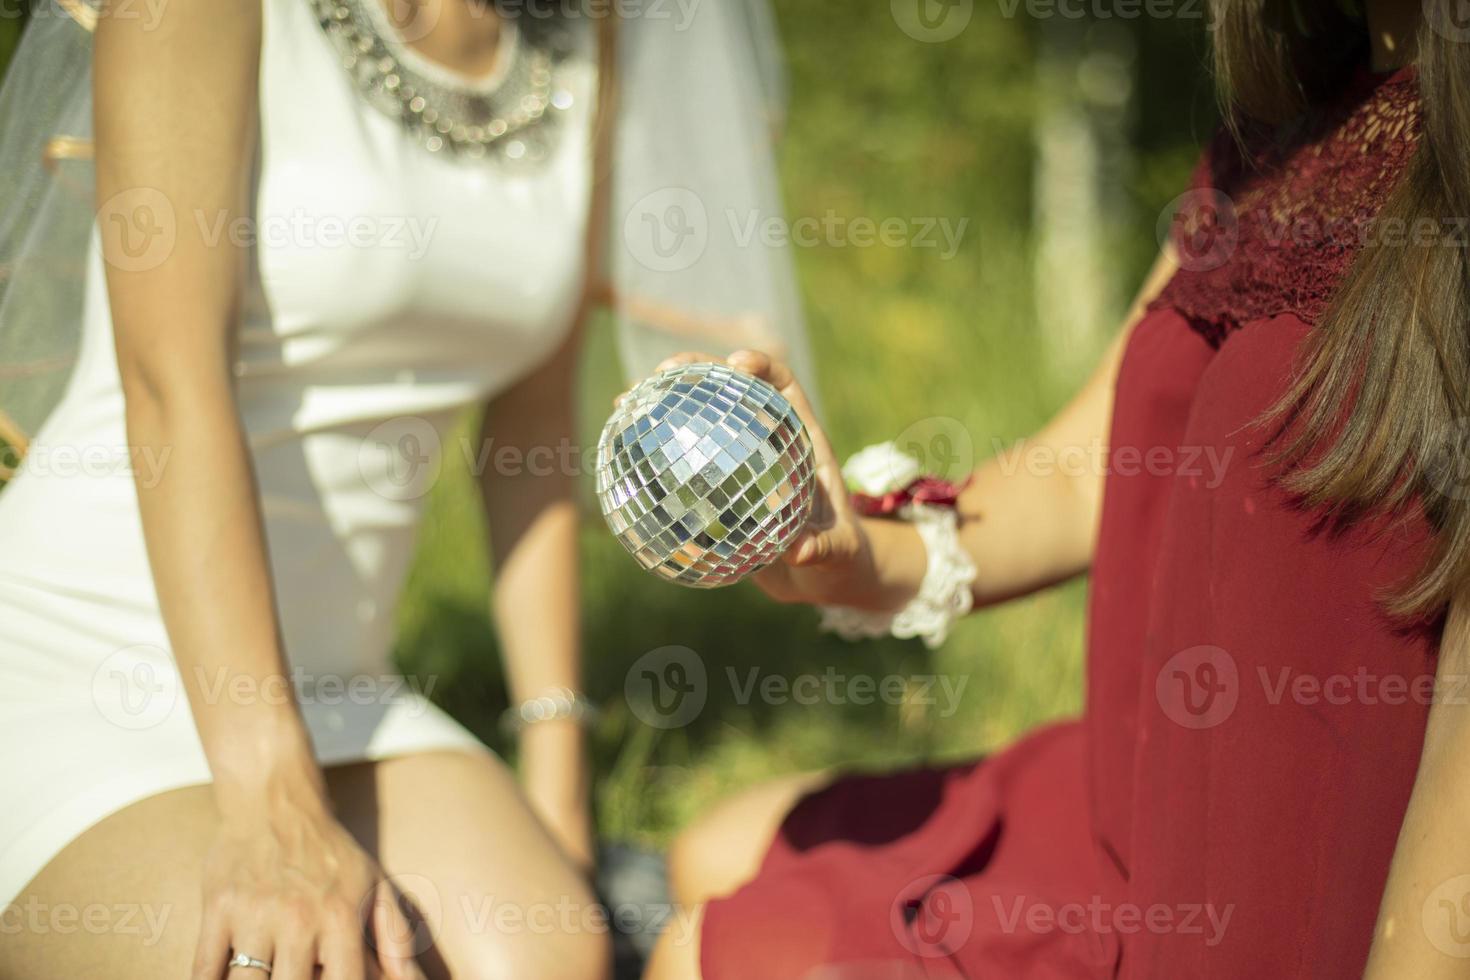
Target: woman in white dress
[322, 230]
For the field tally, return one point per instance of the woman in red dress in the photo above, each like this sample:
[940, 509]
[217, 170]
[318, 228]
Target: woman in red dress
[1271, 776]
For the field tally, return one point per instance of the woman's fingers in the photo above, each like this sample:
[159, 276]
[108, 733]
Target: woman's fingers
[762, 365]
[678, 360]
[295, 956]
[780, 376]
[824, 537]
[343, 952]
[393, 935]
[212, 950]
[775, 582]
[813, 548]
[686, 357]
[256, 942]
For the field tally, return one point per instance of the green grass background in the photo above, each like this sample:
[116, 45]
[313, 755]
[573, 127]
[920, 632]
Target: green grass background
[880, 125]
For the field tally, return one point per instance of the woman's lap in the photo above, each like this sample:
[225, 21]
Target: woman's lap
[449, 828]
[969, 871]
[137, 875]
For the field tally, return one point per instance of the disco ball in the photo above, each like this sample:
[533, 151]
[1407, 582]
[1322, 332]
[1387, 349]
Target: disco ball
[704, 473]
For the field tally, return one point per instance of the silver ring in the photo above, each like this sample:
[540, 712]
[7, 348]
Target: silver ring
[249, 963]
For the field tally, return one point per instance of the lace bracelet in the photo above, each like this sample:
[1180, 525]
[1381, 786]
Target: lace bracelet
[944, 595]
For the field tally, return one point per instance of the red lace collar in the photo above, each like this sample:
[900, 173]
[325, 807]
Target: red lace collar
[1271, 222]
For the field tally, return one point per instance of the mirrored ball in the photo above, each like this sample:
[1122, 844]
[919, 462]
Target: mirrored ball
[704, 473]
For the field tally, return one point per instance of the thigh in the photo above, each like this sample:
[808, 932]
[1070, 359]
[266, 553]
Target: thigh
[676, 957]
[121, 901]
[492, 894]
[450, 829]
[724, 848]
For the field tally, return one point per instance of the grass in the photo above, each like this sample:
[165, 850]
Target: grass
[879, 126]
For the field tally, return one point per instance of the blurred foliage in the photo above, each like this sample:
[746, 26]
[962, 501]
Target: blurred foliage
[10, 29]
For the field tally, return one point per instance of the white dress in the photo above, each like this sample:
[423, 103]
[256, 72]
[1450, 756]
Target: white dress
[390, 287]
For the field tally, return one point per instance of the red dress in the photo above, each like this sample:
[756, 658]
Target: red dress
[1228, 806]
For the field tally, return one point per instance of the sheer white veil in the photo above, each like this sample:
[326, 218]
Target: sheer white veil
[695, 189]
[698, 108]
[46, 210]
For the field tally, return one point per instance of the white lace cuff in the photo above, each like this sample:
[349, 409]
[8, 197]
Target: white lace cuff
[944, 596]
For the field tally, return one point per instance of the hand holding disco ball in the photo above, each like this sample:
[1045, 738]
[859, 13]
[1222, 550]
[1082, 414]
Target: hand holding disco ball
[705, 474]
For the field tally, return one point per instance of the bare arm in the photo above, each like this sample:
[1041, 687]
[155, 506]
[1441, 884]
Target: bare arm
[175, 129]
[529, 488]
[533, 519]
[180, 148]
[1420, 932]
[1030, 528]
[1025, 527]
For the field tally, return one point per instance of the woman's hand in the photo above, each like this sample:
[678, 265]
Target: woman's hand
[285, 883]
[832, 561]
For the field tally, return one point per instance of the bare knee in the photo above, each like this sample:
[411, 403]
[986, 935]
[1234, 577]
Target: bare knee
[571, 957]
[724, 848]
[717, 853]
[557, 938]
[676, 957]
[698, 870]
